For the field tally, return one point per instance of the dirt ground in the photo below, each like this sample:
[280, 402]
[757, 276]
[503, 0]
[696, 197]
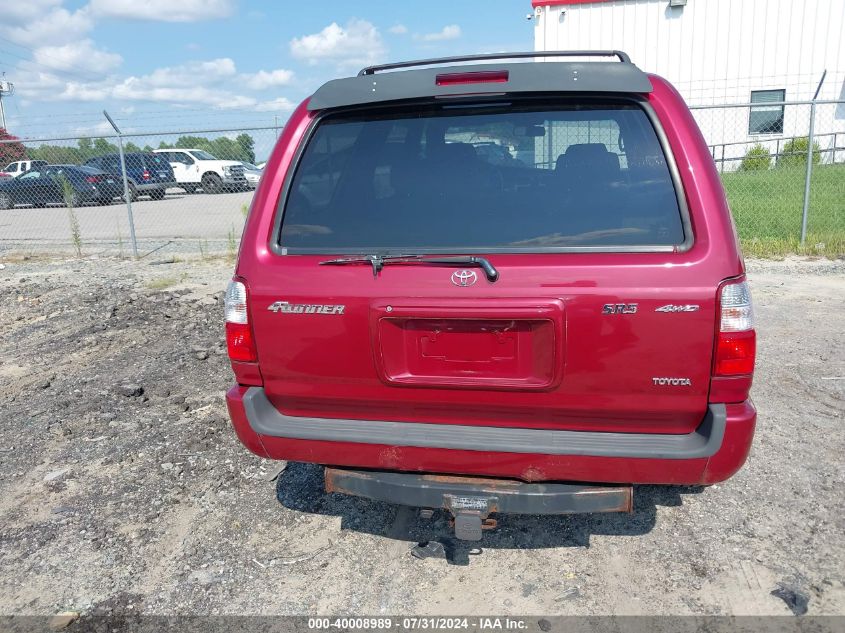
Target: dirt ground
[123, 486]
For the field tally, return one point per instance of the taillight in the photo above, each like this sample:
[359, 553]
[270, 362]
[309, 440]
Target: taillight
[477, 77]
[92, 179]
[146, 175]
[736, 345]
[239, 341]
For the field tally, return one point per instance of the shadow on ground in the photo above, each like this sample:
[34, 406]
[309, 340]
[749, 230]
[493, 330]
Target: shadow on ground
[300, 487]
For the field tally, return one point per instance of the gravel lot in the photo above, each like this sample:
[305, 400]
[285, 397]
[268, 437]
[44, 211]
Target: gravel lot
[179, 223]
[122, 485]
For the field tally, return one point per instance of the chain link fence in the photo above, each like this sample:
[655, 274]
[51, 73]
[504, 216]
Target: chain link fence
[782, 165]
[188, 192]
[783, 168]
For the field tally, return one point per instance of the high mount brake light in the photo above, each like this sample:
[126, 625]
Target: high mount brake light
[478, 77]
[736, 345]
[240, 343]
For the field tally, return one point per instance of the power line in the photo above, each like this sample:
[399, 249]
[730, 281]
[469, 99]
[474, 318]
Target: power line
[62, 68]
[78, 74]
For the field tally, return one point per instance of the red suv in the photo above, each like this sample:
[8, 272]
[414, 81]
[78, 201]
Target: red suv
[499, 287]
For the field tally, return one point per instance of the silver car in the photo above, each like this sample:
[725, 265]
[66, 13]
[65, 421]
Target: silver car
[252, 173]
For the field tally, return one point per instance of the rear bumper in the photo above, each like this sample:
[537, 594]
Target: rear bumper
[712, 453]
[149, 186]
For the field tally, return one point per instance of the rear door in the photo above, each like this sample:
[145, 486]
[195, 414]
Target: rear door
[597, 320]
[159, 168]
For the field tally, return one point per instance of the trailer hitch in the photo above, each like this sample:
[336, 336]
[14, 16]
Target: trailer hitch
[470, 515]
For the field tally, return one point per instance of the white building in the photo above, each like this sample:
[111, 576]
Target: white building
[723, 52]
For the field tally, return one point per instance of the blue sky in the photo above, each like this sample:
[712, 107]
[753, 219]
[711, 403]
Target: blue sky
[192, 64]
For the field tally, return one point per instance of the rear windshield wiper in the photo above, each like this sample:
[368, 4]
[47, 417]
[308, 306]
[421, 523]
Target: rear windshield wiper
[378, 262]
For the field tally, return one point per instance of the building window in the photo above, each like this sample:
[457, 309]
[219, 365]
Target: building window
[766, 119]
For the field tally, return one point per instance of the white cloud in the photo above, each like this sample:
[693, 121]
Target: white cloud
[67, 65]
[267, 79]
[205, 82]
[135, 88]
[43, 23]
[398, 29]
[281, 104]
[190, 73]
[163, 10]
[448, 32]
[81, 91]
[38, 85]
[81, 55]
[18, 13]
[103, 128]
[359, 42]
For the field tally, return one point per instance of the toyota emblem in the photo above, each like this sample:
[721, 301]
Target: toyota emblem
[464, 277]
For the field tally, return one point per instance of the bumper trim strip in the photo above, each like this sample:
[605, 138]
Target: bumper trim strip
[704, 441]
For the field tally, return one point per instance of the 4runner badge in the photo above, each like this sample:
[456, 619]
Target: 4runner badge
[304, 308]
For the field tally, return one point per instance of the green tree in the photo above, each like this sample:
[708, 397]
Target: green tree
[56, 154]
[102, 146]
[192, 142]
[247, 144]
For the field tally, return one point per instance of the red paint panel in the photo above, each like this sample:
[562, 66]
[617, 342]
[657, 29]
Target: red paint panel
[500, 344]
[554, 3]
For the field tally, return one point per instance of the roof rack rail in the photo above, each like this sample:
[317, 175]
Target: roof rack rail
[371, 70]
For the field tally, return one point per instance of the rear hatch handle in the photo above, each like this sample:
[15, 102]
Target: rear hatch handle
[379, 261]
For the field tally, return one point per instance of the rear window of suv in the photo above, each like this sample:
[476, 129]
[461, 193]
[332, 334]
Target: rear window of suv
[497, 178]
[146, 161]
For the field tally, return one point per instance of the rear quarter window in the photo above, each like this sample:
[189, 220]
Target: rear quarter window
[531, 178]
[156, 161]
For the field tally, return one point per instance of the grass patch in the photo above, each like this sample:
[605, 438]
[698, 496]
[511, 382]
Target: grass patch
[232, 245]
[165, 282]
[767, 208]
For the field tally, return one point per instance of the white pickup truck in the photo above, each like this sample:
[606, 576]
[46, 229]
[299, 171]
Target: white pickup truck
[196, 168]
[18, 167]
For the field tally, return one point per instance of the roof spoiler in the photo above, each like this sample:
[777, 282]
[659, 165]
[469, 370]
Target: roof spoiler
[371, 70]
[448, 78]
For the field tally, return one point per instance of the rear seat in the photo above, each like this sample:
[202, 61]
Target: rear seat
[592, 179]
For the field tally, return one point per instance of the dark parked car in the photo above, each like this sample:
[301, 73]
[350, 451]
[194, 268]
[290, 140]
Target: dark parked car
[444, 329]
[148, 173]
[42, 186]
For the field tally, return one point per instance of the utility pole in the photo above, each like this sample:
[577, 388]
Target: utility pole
[7, 88]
